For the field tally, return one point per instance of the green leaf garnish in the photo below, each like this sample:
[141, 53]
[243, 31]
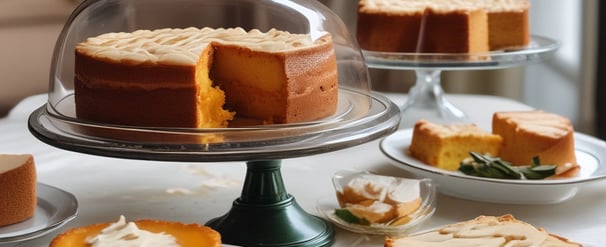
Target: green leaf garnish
[493, 167]
[348, 217]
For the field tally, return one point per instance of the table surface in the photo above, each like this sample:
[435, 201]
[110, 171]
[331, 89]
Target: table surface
[108, 187]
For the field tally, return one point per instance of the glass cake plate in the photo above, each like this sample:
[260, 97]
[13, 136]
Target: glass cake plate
[539, 49]
[350, 126]
[265, 214]
[426, 99]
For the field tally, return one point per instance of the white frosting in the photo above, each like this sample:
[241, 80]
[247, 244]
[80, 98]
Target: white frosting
[125, 234]
[405, 191]
[380, 187]
[414, 6]
[183, 46]
[485, 232]
[395, 5]
[506, 5]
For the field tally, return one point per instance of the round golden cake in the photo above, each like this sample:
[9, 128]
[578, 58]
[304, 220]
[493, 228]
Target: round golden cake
[186, 235]
[200, 78]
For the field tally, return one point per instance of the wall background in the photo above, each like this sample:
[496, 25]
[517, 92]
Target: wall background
[28, 31]
[564, 85]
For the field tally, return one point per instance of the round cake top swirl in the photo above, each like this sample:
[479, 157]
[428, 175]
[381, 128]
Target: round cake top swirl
[176, 46]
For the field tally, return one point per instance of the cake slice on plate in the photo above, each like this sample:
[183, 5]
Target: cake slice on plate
[529, 134]
[485, 231]
[446, 145]
[18, 198]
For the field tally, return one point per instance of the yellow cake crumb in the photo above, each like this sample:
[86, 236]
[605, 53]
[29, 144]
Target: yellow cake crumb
[445, 146]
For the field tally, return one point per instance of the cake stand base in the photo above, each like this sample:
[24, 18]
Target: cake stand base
[426, 100]
[266, 215]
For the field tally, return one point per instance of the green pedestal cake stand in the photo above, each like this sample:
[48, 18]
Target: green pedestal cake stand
[265, 214]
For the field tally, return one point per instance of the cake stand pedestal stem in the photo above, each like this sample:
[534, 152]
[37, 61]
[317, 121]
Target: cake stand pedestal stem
[266, 215]
[426, 100]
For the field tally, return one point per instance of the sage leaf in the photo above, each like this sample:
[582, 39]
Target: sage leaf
[493, 167]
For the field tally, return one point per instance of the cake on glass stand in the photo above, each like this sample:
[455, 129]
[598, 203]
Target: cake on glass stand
[426, 99]
[265, 214]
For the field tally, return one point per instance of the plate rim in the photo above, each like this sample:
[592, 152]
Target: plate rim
[58, 216]
[405, 135]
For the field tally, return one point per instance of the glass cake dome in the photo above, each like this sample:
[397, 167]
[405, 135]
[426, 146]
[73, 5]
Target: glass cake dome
[358, 108]
[264, 213]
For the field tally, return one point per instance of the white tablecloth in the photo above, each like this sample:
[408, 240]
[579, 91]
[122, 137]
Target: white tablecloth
[109, 187]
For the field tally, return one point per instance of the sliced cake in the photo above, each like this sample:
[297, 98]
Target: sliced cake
[508, 24]
[446, 145]
[200, 78]
[527, 134]
[442, 26]
[18, 198]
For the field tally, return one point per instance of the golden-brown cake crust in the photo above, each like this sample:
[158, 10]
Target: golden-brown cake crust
[527, 134]
[146, 90]
[459, 31]
[18, 198]
[445, 146]
[509, 27]
[389, 32]
[469, 26]
[99, 98]
[304, 93]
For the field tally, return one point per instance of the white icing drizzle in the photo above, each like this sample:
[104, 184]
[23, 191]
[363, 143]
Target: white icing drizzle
[177, 46]
[127, 234]
[487, 232]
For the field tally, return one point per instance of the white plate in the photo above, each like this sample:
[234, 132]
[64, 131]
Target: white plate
[55, 208]
[591, 155]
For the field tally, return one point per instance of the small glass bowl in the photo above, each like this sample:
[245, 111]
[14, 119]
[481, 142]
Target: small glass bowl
[327, 207]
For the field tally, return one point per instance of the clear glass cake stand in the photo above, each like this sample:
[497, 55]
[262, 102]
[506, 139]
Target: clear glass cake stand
[426, 99]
